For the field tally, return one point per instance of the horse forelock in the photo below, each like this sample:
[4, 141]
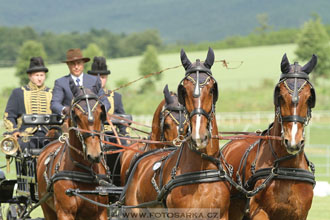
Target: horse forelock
[83, 103]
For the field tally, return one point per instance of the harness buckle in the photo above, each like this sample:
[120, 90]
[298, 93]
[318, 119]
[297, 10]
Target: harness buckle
[63, 138]
[177, 142]
[273, 171]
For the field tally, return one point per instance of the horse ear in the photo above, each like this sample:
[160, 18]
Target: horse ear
[73, 87]
[209, 59]
[285, 64]
[167, 94]
[308, 67]
[97, 86]
[184, 60]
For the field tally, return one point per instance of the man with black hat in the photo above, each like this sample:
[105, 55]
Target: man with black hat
[33, 98]
[62, 95]
[99, 68]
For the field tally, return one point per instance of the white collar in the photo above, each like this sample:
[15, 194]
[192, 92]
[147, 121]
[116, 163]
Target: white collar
[80, 78]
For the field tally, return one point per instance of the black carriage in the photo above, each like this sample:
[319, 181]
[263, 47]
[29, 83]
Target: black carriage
[21, 193]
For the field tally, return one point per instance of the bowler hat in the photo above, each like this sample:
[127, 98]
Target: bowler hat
[36, 65]
[75, 54]
[99, 66]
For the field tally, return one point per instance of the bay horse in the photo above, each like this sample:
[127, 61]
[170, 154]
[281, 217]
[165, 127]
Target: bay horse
[169, 124]
[75, 162]
[277, 171]
[189, 176]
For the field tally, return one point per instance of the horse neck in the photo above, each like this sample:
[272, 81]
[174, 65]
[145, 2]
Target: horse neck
[280, 149]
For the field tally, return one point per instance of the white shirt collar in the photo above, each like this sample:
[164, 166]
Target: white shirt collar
[80, 78]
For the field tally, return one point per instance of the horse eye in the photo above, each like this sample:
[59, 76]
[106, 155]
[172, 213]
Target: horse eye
[76, 118]
[166, 126]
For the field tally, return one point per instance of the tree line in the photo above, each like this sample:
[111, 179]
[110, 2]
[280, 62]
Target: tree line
[55, 45]
[17, 43]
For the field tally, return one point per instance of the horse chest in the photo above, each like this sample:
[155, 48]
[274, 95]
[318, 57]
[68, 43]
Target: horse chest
[197, 195]
[285, 200]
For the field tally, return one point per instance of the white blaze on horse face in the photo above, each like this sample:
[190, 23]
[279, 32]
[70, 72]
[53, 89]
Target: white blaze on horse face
[198, 121]
[294, 130]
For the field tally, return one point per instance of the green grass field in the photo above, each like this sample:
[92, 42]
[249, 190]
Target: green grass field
[242, 88]
[258, 63]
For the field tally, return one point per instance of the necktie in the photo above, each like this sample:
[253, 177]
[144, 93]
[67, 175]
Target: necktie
[78, 80]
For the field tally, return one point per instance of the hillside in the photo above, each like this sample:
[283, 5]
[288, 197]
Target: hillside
[238, 85]
[176, 20]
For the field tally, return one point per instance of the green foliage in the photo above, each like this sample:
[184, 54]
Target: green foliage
[149, 64]
[56, 45]
[263, 24]
[29, 49]
[283, 36]
[91, 51]
[11, 39]
[137, 42]
[313, 39]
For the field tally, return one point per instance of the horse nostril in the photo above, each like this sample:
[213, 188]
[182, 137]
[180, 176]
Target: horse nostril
[287, 142]
[93, 159]
[205, 138]
[302, 142]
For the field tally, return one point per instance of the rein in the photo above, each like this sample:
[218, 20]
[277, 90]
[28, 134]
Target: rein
[268, 174]
[124, 138]
[224, 62]
[240, 137]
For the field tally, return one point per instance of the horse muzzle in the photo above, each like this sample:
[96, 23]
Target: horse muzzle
[293, 148]
[201, 141]
[94, 159]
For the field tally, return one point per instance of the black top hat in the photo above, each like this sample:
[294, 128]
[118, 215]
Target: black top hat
[36, 65]
[99, 66]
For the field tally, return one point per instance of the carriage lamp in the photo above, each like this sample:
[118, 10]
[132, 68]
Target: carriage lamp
[9, 145]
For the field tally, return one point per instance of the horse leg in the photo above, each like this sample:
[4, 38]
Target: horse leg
[63, 215]
[225, 216]
[259, 214]
[104, 214]
[49, 213]
[256, 212]
[236, 209]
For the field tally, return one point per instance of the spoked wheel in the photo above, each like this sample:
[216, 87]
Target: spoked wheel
[12, 212]
[15, 211]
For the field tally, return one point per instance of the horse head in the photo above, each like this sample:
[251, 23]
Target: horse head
[198, 93]
[294, 97]
[173, 117]
[86, 116]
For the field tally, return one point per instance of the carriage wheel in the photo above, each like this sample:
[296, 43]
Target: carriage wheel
[12, 212]
[1, 218]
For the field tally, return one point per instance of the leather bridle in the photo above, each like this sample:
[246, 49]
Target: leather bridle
[295, 97]
[90, 109]
[178, 114]
[193, 75]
